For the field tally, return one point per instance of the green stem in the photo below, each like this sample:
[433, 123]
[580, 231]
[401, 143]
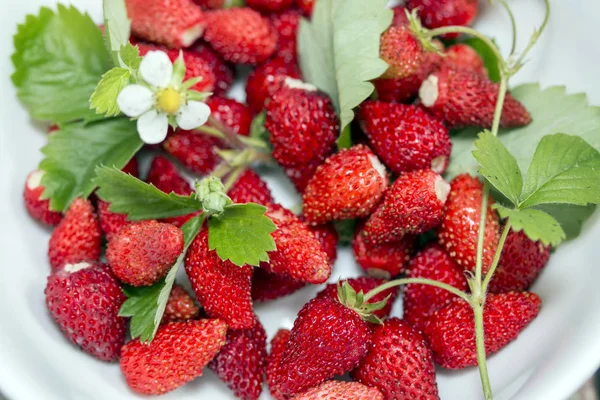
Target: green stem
[513, 25]
[490, 274]
[233, 177]
[534, 38]
[422, 281]
[481, 232]
[210, 131]
[480, 344]
[222, 170]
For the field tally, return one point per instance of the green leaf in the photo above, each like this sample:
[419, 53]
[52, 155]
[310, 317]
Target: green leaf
[140, 200]
[536, 224]
[104, 98]
[339, 50]
[570, 217]
[242, 234]
[487, 55]
[74, 152]
[59, 59]
[118, 27]
[130, 55]
[498, 166]
[565, 169]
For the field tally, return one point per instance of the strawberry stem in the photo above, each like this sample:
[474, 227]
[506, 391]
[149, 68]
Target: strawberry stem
[480, 344]
[233, 177]
[513, 24]
[490, 274]
[422, 281]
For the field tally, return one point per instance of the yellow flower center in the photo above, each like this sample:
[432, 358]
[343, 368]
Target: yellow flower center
[169, 100]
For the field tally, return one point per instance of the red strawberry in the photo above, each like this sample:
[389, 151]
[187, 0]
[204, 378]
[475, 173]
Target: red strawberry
[463, 98]
[400, 18]
[399, 363]
[348, 185]
[405, 137]
[131, 168]
[464, 56]
[459, 228]
[242, 362]
[413, 205]
[84, 300]
[402, 51]
[266, 79]
[301, 174]
[520, 263]
[278, 344]
[328, 237]
[174, 23]
[463, 183]
[306, 6]
[221, 287]
[180, 306]
[334, 390]
[303, 124]
[438, 13]
[142, 253]
[249, 188]
[286, 24]
[195, 150]
[451, 333]
[222, 71]
[77, 238]
[235, 115]
[299, 254]
[176, 356]
[269, 286]
[240, 35]
[39, 209]
[269, 6]
[110, 222]
[421, 301]
[210, 4]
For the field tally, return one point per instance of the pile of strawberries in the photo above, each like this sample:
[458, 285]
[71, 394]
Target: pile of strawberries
[419, 225]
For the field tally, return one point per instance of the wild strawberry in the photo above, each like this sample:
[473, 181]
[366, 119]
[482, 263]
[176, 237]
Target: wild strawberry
[286, 24]
[464, 56]
[210, 4]
[306, 6]
[459, 227]
[84, 300]
[131, 168]
[451, 333]
[348, 185]
[438, 13]
[400, 18]
[240, 35]
[301, 174]
[278, 344]
[463, 98]
[36, 207]
[180, 306]
[269, 6]
[142, 253]
[223, 72]
[242, 362]
[399, 363]
[176, 356]
[269, 286]
[421, 301]
[233, 114]
[174, 23]
[402, 51]
[195, 150]
[110, 222]
[302, 122]
[405, 137]
[520, 263]
[334, 390]
[249, 188]
[77, 237]
[413, 205]
[299, 254]
[221, 287]
[266, 79]
[328, 237]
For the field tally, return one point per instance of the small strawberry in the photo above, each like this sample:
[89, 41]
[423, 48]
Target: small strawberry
[459, 228]
[348, 185]
[223, 72]
[286, 24]
[335, 390]
[132, 168]
[463, 98]
[438, 13]
[328, 237]
[405, 137]
[303, 124]
[210, 4]
[269, 286]
[142, 253]
[402, 51]
[176, 356]
[249, 188]
[77, 237]
[451, 333]
[399, 363]
[221, 287]
[174, 23]
[269, 6]
[306, 6]
[400, 18]
[242, 362]
[84, 300]
[278, 344]
[421, 301]
[520, 263]
[36, 207]
[195, 150]
[413, 205]
[464, 56]
[300, 175]
[240, 35]
[233, 114]
[180, 306]
[266, 79]
[110, 222]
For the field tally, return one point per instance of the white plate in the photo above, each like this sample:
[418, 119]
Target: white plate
[549, 361]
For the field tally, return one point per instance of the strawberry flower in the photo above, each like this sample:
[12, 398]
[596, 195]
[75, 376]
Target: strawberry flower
[161, 98]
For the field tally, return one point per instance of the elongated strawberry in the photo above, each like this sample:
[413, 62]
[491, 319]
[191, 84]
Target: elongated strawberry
[464, 56]
[77, 237]
[461, 98]
[438, 13]
[240, 35]
[328, 237]
[399, 363]
[348, 185]
[334, 390]
[421, 301]
[402, 51]
[278, 344]
[451, 333]
[269, 6]
[36, 207]
[223, 72]
[405, 137]
[84, 300]
[270, 286]
[180, 306]
[174, 23]
[268, 78]
[413, 205]
[110, 222]
[250, 188]
[242, 362]
[221, 287]
[176, 356]
[142, 253]
[286, 24]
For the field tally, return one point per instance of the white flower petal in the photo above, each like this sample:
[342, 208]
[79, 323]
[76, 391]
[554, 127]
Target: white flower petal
[156, 68]
[192, 115]
[153, 127]
[134, 100]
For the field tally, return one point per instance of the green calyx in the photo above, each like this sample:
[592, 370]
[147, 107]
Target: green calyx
[211, 192]
[356, 302]
[420, 32]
